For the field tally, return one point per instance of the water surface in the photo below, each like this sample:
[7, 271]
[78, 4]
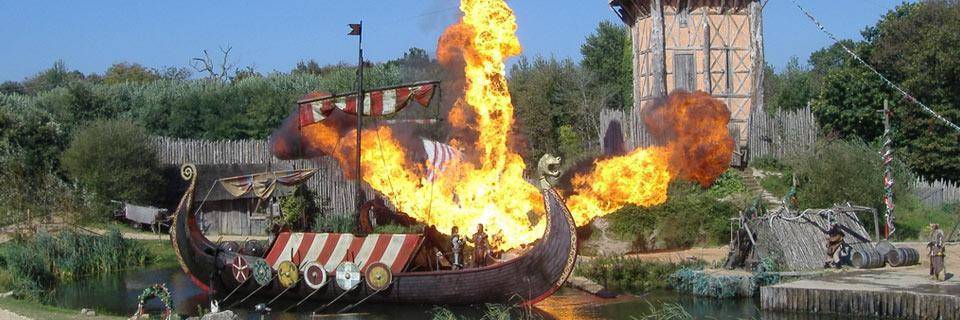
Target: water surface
[117, 294]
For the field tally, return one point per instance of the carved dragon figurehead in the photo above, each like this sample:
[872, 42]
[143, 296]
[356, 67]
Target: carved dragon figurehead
[549, 170]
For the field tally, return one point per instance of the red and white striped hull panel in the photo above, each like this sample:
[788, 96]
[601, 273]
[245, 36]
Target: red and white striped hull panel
[330, 249]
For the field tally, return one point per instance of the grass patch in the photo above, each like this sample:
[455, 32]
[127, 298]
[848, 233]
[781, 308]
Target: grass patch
[777, 185]
[632, 275]
[161, 254]
[37, 263]
[36, 310]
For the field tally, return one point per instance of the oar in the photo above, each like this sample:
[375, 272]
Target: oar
[361, 300]
[281, 293]
[334, 300]
[302, 300]
[235, 290]
[249, 295]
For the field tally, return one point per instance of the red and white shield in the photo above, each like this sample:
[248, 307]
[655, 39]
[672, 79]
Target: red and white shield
[314, 275]
[240, 268]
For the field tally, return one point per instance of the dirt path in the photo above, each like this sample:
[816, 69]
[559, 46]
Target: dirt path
[163, 236]
[7, 315]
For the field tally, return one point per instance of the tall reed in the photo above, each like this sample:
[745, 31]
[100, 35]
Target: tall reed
[37, 264]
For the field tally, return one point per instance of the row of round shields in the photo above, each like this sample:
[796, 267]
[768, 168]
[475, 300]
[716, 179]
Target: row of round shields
[378, 275]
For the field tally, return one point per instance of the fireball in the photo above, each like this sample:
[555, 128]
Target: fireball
[487, 185]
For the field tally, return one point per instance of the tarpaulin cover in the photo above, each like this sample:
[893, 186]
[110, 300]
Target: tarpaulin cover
[263, 184]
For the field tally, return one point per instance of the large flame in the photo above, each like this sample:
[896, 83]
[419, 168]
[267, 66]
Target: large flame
[487, 185]
[697, 146]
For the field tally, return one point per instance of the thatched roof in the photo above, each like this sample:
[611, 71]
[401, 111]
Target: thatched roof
[797, 241]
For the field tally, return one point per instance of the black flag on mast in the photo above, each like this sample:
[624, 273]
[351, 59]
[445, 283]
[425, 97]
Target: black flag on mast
[355, 29]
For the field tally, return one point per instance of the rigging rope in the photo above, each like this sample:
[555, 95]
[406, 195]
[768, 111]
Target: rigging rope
[874, 70]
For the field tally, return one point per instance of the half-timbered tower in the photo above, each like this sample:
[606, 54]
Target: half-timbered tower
[714, 46]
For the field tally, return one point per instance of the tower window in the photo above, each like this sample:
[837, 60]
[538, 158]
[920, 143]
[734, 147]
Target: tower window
[683, 14]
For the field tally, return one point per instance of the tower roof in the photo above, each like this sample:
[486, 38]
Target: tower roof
[629, 10]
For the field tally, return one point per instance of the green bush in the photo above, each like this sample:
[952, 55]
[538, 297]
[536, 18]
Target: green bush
[631, 274]
[114, 160]
[839, 171]
[293, 207]
[690, 216]
[768, 164]
[36, 264]
[337, 223]
[728, 184]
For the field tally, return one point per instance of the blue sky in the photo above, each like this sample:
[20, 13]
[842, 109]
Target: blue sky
[274, 35]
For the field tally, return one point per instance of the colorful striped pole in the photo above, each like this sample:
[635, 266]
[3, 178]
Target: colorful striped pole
[887, 157]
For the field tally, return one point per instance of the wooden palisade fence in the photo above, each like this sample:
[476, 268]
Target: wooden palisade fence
[776, 135]
[329, 182]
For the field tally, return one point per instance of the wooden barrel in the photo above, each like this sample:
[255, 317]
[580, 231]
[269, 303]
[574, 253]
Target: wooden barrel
[867, 259]
[901, 257]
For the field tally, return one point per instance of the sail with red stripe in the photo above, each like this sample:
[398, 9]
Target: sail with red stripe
[439, 157]
[330, 249]
[376, 103]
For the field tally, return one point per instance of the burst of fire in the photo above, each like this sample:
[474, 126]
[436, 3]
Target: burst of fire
[697, 147]
[640, 177]
[487, 185]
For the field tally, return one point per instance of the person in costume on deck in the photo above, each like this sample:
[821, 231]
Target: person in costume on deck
[481, 247]
[834, 243]
[937, 253]
[456, 243]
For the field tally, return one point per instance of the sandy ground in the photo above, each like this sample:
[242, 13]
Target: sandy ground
[7, 315]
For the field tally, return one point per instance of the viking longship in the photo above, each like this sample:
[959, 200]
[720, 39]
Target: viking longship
[303, 266]
[310, 269]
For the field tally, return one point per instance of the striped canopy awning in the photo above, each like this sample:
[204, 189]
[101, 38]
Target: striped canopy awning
[377, 102]
[330, 249]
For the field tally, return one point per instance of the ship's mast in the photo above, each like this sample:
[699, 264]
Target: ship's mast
[360, 110]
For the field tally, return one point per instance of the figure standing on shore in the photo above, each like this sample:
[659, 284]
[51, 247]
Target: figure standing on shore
[481, 247]
[937, 254]
[834, 243]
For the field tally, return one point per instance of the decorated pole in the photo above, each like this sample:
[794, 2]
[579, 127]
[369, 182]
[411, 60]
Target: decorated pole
[887, 157]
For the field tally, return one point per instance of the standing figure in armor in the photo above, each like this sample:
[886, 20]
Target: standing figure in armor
[937, 253]
[481, 247]
[834, 243]
[456, 243]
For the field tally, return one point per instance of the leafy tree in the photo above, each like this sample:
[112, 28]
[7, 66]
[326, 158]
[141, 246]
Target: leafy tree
[56, 76]
[606, 53]
[30, 142]
[113, 160]
[124, 72]
[793, 88]
[571, 145]
[417, 65]
[916, 46]
[307, 67]
[10, 87]
[848, 103]
[541, 91]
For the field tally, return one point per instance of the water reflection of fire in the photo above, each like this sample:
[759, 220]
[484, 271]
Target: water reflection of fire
[488, 186]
